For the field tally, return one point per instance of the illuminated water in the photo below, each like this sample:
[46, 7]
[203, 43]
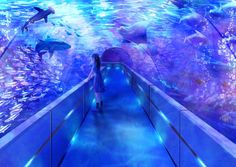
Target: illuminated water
[192, 61]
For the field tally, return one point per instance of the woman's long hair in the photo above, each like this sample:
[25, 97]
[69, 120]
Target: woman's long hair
[97, 60]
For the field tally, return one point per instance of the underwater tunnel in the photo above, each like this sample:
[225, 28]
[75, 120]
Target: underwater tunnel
[168, 68]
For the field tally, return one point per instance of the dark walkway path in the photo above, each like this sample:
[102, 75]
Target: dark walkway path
[120, 136]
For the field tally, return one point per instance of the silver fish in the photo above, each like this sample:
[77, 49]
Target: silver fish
[3, 128]
[19, 78]
[16, 106]
[11, 84]
[24, 99]
[2, 76]
[15, 111]
[12, 117]
[196, 39]
[2, 102]
[25, 83]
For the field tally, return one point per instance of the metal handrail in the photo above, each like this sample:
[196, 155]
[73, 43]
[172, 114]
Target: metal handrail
[10, 136]
[227, 144]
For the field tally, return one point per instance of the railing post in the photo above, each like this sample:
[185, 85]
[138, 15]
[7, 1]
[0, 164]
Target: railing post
[84, 100]
[149, 99]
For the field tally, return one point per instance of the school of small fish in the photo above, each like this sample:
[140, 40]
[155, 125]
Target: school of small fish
[187, 48]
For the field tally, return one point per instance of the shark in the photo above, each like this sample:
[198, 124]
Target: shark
[135, 33]
[223, 10]
[193, 19]
[196, 39]
[50, 45]
[42, 14]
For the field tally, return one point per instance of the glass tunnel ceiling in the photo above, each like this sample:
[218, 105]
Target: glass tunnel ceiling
[187, 49]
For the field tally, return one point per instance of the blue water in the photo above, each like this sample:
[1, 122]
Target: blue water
[198, 72]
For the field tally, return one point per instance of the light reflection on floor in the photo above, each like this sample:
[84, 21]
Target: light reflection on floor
[120, 135]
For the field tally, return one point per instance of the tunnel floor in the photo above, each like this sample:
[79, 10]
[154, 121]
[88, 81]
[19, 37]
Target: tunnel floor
[119, 135]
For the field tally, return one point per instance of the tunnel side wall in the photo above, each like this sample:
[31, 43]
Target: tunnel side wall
[43, 139]
[189, 140]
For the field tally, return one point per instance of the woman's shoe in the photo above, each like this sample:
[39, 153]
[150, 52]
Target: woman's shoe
[97, 105]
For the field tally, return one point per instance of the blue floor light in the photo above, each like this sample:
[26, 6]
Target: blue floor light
[74, 139]
[164, 117]
[202, 164]
[117, 67]
[160, 139]
[29, 162]
[94, 101]
[139, 101]
[127, 81]
[69, 114]
[106, 80]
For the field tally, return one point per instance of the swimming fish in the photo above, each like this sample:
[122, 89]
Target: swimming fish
[7, 95]
[42, 14]
[12, 117]
[50, 46]
[136, 33]
[77, 34]
[196, 39]
[68, 33]
[194, 20]
[222, 10]
[3, 128]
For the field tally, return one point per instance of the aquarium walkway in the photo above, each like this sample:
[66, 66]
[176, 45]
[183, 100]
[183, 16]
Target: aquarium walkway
[118, 135]
[139, 125]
